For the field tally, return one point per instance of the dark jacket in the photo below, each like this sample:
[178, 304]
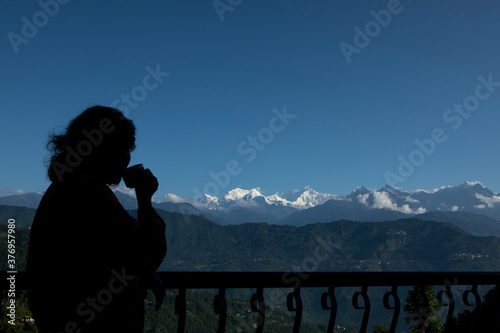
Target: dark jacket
[87, 257]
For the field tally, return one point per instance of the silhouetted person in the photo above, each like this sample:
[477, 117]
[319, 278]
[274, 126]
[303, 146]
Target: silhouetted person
[88, 259]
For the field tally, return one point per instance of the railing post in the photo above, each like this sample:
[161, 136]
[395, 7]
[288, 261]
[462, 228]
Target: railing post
[396, 307]
[330, 294]
[295, 295]
[366, 306]
[220, 308]
[180, 310]
[259, 306]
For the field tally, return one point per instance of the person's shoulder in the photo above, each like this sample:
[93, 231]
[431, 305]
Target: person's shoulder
[80, 188]
[84, 182]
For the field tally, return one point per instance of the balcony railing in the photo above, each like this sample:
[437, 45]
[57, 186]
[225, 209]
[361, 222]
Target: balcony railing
[329, 281]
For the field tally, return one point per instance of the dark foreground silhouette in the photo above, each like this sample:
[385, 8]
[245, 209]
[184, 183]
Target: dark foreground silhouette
[89, 262]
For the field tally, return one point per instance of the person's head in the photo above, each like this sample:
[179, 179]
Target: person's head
[96, 143]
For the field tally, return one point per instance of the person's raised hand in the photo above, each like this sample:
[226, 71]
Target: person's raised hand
[147, 185]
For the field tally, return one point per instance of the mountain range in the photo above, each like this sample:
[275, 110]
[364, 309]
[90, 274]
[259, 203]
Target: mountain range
[471, 206]
[197, 244]
[414, 231]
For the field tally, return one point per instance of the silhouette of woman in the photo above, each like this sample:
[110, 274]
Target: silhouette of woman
[88, 259]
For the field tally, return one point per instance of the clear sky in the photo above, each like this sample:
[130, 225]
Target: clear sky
[272, 94]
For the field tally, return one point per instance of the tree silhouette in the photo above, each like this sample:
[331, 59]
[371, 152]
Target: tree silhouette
[380, 329]
[485, 319]
[421, 306]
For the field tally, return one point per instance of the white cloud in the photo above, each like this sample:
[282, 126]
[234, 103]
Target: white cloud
[410, 199]
[420, 210]
[11, 191]
[362, 198]
[489, 201]
[430, 191]
[454, 208]
[169, 197]
[480, 206]
[124, 190]
[382, 201]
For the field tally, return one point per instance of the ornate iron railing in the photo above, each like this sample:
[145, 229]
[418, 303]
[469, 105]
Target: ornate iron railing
[183, 281]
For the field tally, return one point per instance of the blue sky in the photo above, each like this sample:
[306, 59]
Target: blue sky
[351, 120]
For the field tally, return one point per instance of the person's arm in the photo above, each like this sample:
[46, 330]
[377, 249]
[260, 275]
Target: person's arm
[151, 225]
[140, 243]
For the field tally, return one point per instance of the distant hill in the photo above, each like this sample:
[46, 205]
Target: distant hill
[306, 206]
[406, 244]
[334, 210]
[197, 244]
[30, 200]
[24, 216]
[475, 224]
[362, 204]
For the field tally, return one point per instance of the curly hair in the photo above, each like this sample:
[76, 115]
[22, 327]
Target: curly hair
[95, 132]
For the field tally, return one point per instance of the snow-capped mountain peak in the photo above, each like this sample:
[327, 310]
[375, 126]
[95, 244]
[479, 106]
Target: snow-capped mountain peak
[391, 189]
[476, 187]
[252, 204]
[298, 199]
[240, 194]
[208, 199]
[473, 183]
[240, 205]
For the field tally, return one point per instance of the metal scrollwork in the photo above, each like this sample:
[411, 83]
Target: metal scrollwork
[396, 307]
[330, 295]
[366, 306]
[295, 295]
[450, 305]
[477, 299]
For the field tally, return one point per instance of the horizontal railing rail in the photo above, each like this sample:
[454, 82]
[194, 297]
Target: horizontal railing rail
[182, 281]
